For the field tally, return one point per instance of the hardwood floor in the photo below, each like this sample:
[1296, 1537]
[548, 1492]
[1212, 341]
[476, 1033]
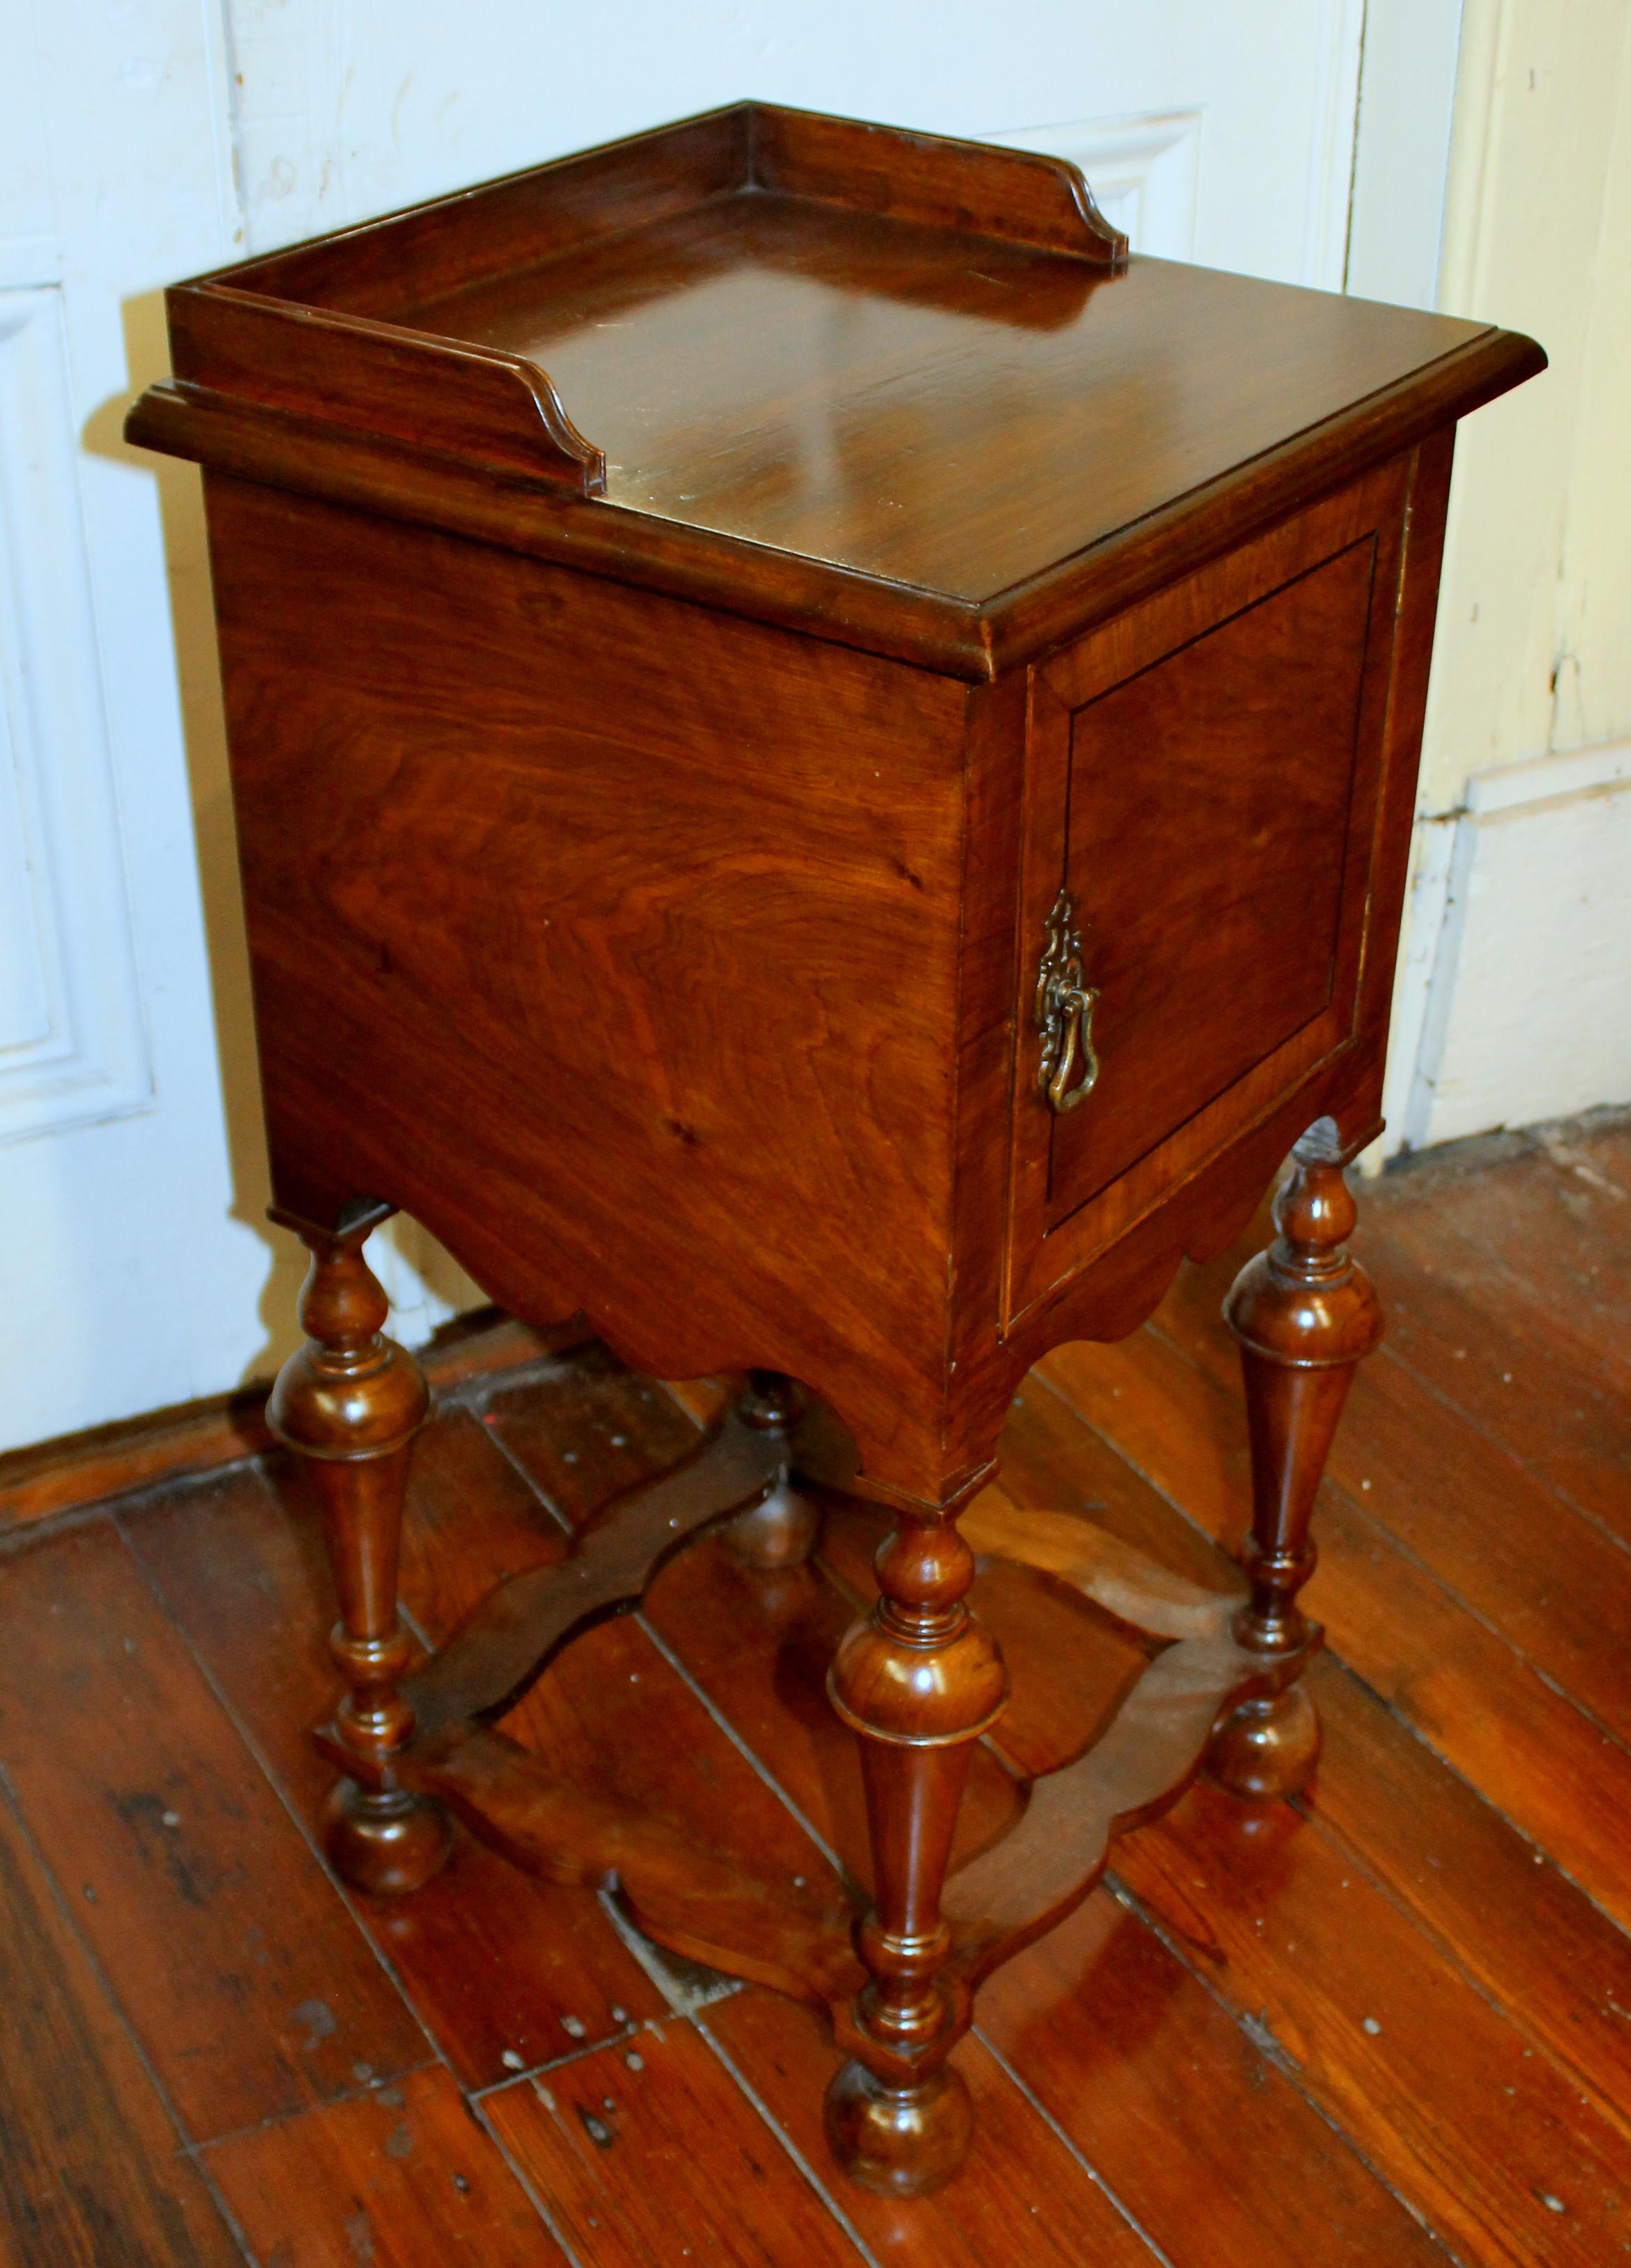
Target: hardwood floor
[1390, 2025]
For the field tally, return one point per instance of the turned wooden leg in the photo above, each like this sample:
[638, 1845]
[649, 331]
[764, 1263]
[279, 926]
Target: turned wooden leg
[349, 1403]
[1305, 1316]
[781, 1529]
[919, 1680]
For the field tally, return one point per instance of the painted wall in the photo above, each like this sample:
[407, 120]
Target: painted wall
[1515, 999]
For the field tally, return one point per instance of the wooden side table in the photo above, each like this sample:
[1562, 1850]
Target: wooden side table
[846, 874]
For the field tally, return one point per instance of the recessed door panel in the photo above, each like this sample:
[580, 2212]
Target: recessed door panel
[1209, 804]
[1201, 783]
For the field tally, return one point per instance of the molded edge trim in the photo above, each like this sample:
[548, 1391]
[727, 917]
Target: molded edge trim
[819, 598]
[478, 403]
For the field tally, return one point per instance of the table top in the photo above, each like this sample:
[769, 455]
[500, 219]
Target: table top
[841, 350]
[948, 412]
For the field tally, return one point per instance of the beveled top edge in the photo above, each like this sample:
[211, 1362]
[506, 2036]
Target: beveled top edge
[787, 359]
[976, 643]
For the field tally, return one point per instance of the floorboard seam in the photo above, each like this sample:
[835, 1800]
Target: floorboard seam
[1620, 1927]
[437, 2057]
[1374, 1527]
[1445, 1953]
[1491, 1254]
[1274, 2050]
[1486, 1433]
[551, 1508]
[186, 2145]
[366, 2090]
[1024, 2088]
[1447, 1763]
[275, 1783]
[742, 1748]
[528, 2189]
[787, 2144]
[1475, 1614]
[20, 1535]
[621, 2038]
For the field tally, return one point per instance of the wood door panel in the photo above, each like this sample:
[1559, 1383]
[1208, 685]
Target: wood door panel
[1226, 770]
[1204, 775]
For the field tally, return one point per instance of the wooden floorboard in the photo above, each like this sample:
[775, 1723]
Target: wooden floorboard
[1493, 1354]
[495, 1963]
[1447, 1488]
[1390, 2039]
[399, 2174]
[151, 1813]
[1388, 2026]
[90, 2168]
[52, 1477]
[1193, 2124]
[1486, 1709]
[1027, 2194]
[659, 2154]
[1555, 1219]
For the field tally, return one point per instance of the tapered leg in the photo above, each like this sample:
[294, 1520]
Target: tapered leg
[919, 1680]
[348, 1403]
[1305, 1316]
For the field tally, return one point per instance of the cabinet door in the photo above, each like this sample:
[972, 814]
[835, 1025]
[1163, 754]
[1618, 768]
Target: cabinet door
[1201, 787]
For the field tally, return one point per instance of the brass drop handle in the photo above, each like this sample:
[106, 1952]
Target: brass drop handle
[1064, 1014]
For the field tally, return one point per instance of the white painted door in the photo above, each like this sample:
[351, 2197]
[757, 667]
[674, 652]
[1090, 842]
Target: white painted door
[141, 140]
[129, 1282]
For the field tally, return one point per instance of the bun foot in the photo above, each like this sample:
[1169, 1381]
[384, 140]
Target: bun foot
[899, 2142]
[779, 1531]
[1267, 1748]
[384, 1844]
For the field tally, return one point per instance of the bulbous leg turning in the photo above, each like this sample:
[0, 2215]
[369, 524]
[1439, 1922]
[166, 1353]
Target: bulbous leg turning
[348, 1403]
[386, 1843]
[1267, 1748]
[899, 2141]
[1305, 1317]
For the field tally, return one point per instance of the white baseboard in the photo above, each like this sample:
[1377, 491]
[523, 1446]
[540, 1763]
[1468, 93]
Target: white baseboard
[1514, 997]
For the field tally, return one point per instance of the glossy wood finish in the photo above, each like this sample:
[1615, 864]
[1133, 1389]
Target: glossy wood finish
[1305, 1316]
[598, 1119]
[446, 366]
[397, 2172]
[91, 2169]
[1103, 1268]
[1251, 731]
[679, 965]
[1215, 2091]
[919, 1681]
[200, 1902]
[349, 1403]
[496, 1650]
[850, 865]
[1252, 698]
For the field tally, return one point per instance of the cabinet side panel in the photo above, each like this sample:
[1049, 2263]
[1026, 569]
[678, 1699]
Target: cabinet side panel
[612, 938]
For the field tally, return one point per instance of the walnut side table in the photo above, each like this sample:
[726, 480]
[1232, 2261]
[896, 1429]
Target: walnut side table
[824, 771]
